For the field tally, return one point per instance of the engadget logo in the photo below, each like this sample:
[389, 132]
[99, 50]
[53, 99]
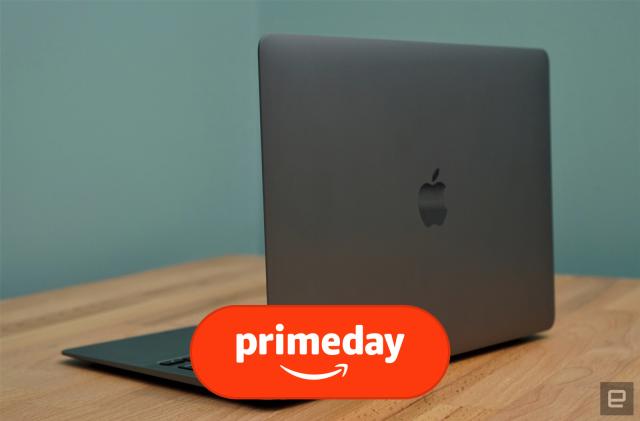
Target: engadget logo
[305, 352]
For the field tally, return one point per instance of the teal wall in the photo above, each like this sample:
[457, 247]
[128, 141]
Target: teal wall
[129, 138]
[130, 134]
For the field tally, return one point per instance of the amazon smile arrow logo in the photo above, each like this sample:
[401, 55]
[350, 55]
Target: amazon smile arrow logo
[340, 368]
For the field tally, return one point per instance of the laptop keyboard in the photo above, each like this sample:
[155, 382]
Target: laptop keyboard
[184, 362]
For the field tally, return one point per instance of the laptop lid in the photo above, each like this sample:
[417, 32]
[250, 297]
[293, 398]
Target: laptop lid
[409, 173]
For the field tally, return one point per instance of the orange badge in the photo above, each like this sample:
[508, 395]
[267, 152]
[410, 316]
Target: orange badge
[319, 351]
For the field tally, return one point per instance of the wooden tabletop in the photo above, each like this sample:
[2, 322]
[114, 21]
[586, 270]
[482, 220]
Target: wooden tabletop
[555, 375]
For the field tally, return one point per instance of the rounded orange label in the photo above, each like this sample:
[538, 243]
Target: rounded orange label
[319, 351]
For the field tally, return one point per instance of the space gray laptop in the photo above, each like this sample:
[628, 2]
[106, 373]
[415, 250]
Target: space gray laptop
[397, 173]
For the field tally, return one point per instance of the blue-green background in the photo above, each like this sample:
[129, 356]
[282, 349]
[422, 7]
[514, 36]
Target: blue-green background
[130, 130]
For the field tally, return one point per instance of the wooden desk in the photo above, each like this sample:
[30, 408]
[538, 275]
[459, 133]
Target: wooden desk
[556, 375]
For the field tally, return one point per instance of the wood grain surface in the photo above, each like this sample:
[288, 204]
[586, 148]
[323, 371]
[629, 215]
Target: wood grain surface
[554, 375]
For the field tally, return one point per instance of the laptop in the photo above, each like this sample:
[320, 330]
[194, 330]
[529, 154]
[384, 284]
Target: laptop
[397, 173]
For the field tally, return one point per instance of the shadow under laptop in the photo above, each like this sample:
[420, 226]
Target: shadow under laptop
[509, 345]
[183, 387]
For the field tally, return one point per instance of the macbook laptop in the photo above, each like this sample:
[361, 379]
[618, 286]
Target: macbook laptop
[397, 173]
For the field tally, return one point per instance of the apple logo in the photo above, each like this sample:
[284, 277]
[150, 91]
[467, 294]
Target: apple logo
[431, 201]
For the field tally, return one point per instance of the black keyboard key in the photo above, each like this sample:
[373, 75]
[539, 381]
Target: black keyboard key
[186, 366]
[173, 361]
